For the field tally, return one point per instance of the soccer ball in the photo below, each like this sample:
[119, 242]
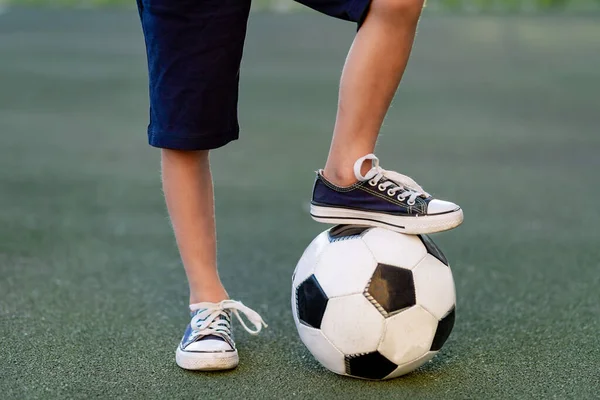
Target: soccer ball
[371, 303]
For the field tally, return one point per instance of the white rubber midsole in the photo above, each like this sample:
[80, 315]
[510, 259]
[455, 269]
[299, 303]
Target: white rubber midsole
[422, 224]
[197, 361]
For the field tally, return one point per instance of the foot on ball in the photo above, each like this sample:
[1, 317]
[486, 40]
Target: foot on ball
[382, 198]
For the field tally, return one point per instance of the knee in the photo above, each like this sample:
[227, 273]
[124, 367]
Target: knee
[408, 10]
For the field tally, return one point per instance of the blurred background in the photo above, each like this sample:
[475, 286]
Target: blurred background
[498, 111]
[440, 5]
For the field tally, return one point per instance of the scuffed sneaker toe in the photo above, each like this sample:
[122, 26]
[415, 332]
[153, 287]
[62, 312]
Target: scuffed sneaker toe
[207, 344]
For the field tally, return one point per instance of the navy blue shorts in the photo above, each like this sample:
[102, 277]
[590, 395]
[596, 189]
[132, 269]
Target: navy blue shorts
[194, 50]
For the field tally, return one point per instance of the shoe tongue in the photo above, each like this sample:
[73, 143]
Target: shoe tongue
[198, 311]
[386, 179]
[211, 336]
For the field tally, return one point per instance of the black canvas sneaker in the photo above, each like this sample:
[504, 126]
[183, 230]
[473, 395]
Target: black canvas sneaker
[207, 344]
[385, 199]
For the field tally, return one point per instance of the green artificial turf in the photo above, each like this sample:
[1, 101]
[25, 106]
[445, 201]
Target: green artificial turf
[498, 114]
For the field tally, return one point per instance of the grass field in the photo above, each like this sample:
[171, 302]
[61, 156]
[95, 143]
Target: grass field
[499, 114]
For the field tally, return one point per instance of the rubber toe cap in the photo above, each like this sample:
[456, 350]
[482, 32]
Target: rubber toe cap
[209, 345]
[441, 207]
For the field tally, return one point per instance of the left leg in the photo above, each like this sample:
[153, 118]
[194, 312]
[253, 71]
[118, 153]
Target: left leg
[373, 70]
[353, 189]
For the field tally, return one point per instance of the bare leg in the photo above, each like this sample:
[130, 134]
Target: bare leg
[371, 76]
[188, 187]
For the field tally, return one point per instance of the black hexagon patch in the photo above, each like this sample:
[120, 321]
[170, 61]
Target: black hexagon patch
[311, 302]
[391, 289]
[443, 331]
[369, 366]
[342, 232]
[433, 249]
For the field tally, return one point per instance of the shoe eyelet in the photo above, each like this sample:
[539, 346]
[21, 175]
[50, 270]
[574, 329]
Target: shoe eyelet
[372, 183]
[381, 187]
[391, 193]
[411, 203]
[401, 198]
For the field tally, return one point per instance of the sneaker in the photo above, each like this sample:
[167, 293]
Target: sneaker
[385, 199]
[207, 343]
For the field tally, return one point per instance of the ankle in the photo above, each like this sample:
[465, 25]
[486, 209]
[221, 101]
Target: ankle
[209, 295]
[339, 177]
[343, 175]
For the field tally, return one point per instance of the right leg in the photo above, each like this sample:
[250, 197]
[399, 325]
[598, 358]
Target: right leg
[194, 52]
[188, 188]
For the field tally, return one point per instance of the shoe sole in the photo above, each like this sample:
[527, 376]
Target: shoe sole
[416, 225]
[197, 361]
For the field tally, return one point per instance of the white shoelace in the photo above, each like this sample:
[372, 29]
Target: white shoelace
[393, 183]
[208, 321]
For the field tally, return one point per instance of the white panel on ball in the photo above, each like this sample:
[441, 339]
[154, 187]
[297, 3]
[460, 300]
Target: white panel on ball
[308, 261]
[353, 324]
[434, 286]
[345, 268]
[411, 366]
[394, 248]
[322, 349]
[408, 335]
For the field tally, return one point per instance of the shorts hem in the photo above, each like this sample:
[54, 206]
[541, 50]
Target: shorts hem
[167, 140]
[360, 10]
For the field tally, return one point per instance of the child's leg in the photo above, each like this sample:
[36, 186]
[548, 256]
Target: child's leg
[194, 52]
[188, 187]
[370, 78]
[353, 189]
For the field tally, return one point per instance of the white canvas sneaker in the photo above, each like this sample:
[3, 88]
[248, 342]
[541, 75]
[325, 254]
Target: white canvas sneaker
[207, 344]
